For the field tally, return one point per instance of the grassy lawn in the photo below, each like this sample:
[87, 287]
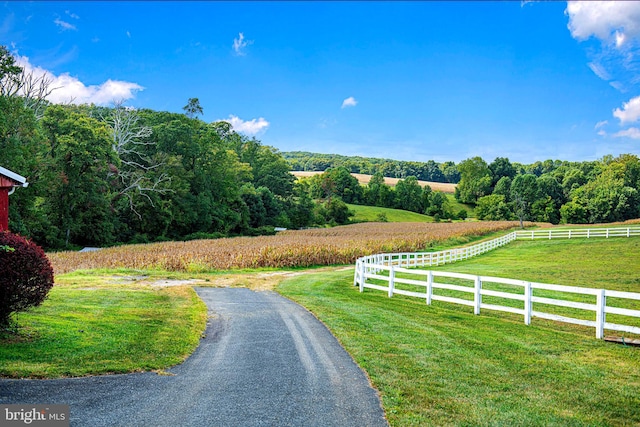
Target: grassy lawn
[93, 325]
[372, 213]
[441, 365]
[593, 263]
[457, 206]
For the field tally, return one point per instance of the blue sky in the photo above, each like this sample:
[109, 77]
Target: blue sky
[403, 80]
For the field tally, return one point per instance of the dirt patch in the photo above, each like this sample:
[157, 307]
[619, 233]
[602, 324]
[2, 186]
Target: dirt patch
[254, 281]
[169, 282]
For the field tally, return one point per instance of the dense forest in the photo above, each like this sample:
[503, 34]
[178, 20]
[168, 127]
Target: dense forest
[100, 176]
[599, 191]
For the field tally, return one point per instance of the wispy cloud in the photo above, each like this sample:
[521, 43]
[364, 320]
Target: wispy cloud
[599, 71]
[71, 90]
[240, 44]
[64, 25]
[248, 127]
[599, 127]
[71, 14]
[633, 133]
[349, 102]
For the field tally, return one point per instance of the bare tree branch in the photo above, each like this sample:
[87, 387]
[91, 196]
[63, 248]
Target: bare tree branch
[129, 138]
[33, 89]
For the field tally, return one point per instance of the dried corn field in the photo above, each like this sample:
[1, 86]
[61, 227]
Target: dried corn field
[293, 248]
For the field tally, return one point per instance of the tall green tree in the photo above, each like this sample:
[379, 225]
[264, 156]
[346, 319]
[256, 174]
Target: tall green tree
[501, 167]
[193, 108]
[409, 195]
[377, 192]
[475, 180]
[78, 206]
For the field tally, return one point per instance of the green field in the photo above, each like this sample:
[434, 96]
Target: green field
[373, 213]
[457, 206]
[441, 365]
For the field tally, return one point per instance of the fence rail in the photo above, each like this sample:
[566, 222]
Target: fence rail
[578, 233]
[399, 274]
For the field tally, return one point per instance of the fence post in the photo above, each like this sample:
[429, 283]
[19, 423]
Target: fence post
[628, 232]
[355, 273]
[569, 234]
[600, 314]
[607, 233]
[477, 296]
[362, 277]
[588, 233]
[392, 278]
[429, 286]
[528, 306]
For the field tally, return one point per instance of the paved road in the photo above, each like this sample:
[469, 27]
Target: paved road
[265, 361]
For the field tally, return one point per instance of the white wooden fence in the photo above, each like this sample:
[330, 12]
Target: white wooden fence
[391, 273]
[578, 233]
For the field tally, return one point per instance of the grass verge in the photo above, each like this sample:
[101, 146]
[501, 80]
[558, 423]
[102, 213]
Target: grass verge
[441, 365]
[88, 326]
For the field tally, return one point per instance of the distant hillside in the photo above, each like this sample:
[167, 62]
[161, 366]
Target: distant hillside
[431, 171]
[364, 179]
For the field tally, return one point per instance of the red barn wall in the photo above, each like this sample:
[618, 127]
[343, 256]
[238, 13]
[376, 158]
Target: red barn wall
[4, 209]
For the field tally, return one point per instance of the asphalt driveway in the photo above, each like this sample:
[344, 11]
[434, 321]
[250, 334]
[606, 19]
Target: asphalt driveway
[265, 361]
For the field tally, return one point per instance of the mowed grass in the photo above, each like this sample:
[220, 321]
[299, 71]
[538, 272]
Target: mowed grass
[373, 213]
[441, 365]
[593, 263]
[88, 327]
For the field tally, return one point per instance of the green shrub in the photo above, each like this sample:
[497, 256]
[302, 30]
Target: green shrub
[26, 276]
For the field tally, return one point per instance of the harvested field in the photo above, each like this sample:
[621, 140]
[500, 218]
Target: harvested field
[293, 248]
[364, 180]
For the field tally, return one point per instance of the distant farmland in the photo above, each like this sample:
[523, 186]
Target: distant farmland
[364, 179]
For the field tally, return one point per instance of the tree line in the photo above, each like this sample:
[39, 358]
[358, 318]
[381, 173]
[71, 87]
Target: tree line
[336, 186]
[599, 191]
[424, 171]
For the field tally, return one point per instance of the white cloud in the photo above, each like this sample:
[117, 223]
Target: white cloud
[616, 25]
[600, 124]
[633, 133]
[249, 127]
[240, 44]
[599, 71]
[71, 89]
[128, 34]
[71, 14]
[64, 25]
[609, 21]
[349, 102]
[630, 111]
